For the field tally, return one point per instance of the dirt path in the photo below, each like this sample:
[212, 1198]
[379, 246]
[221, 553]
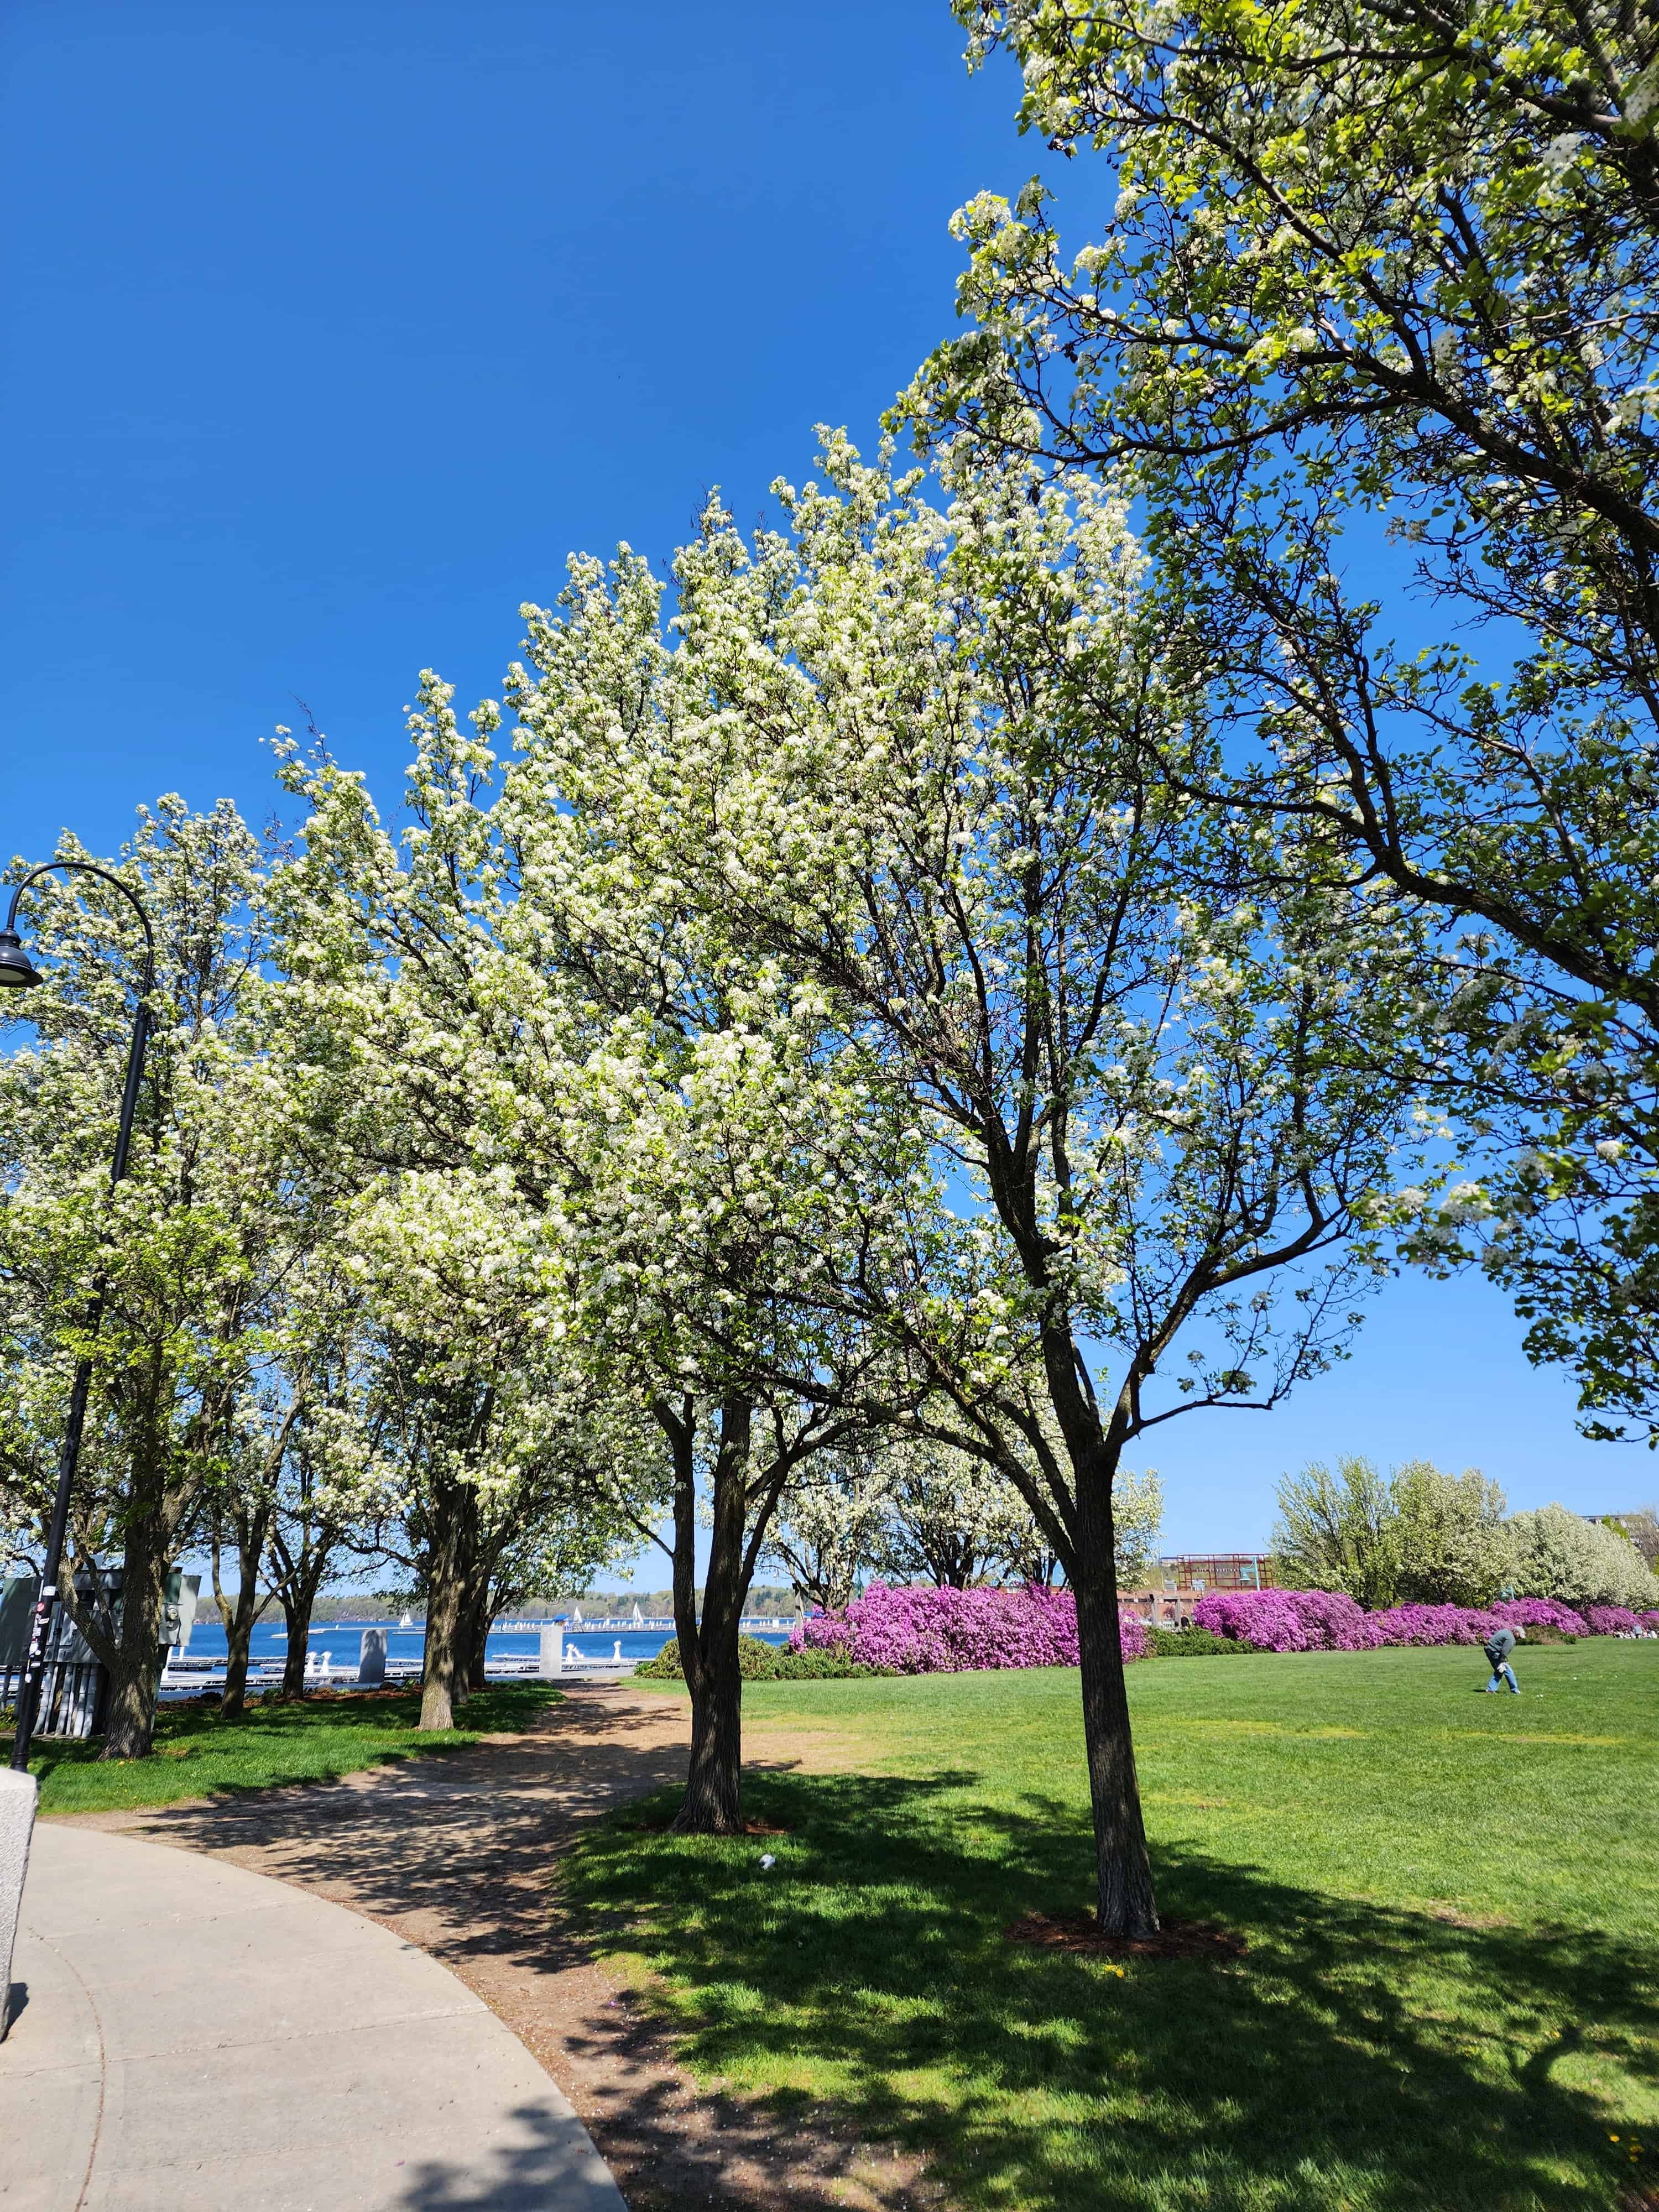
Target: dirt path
[453, 1854]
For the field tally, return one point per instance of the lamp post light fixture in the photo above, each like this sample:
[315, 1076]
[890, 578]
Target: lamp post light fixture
[19, 972]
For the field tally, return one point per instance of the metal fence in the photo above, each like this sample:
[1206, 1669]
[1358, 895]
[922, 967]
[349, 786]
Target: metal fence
[74, 1689]
[72, 1697]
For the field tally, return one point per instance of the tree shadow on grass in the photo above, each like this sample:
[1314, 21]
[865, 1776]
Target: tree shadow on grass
[274, 1732]
[1358, 2054]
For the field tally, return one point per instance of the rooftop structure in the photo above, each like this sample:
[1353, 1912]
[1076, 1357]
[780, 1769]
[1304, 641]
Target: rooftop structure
[1217, 1571]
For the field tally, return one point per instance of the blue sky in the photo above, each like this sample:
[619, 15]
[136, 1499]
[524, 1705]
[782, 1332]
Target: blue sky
[332, 329]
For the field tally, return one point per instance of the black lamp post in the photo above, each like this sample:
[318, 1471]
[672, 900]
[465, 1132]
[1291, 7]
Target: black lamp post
[18, 973]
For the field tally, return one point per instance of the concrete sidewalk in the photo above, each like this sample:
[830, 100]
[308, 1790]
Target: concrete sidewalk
[193, 2033]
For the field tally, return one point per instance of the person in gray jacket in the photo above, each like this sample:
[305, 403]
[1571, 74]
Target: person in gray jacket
[1498, 1648]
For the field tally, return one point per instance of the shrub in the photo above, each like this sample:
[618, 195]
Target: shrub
[1325, 1620]
[802, 1666]
[757, 1660]
[1434, 1623]
[1192, 1644]
[761, 1661]
[1284, 1620]
[953, 1631]
[1610, 1620]
[1535, 1613]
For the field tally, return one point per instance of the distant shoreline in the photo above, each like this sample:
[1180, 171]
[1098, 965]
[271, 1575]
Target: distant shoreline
[340, 1615]
[364, 1609]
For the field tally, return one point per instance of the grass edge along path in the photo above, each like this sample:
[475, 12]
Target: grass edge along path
[319, 1738]
[1450, 1997]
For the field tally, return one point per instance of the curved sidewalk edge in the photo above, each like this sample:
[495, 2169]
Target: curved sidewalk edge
[189, 2031]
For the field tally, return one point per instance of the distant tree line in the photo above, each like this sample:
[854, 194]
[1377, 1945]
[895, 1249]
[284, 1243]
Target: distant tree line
[1419, 1535]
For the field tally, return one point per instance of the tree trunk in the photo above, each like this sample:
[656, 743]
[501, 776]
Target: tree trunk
[293, 1659]
[713, 1797]
[238, 1633]
[440, 1674]
[713, 1805]
[485, 1600]
[1123, 1874]
[477, 1638]
[137, 1671]
[297, 1596]
[239, 1613]
[451, 1556]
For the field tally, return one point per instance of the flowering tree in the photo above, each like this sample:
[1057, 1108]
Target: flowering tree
[896, 755]
[309, 1486]
[953, 1519]
[426, 1054]
[241, 1508]
[1137, 1525]
[296, 1486]
[1642, 1526]
[1415, 1534]
[582, 1125]
[1455, 1547]
[1560, 1555]
[322, 1515]
[1339, 1532]
[1394, 257]
[494, 1494]
[828, 1531]
[712, 1154]
[909, 1507]
[190, 1252]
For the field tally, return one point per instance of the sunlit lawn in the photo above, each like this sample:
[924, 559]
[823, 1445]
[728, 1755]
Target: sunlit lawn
[1451, 1904]
[197, 1753]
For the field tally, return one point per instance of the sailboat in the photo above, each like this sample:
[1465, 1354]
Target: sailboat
[405, 1620]
[638, 1616]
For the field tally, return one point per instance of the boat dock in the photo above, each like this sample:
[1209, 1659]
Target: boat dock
[338, 1654]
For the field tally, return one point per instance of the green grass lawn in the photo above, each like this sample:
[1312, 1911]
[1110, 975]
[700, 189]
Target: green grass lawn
[197, 1753]
[1450, 1996]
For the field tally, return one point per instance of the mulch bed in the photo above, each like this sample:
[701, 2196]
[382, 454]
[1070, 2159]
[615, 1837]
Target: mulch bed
[1175, 1939]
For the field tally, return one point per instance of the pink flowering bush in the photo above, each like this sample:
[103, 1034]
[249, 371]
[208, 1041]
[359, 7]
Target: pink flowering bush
[954, 1631]
[1135, 1638]
[1285, 1621]
[1541, 1613]
[1328, 1621]
[1432, 1623]
[1648, 1619]
[1611, 1620]
[1266, 1618]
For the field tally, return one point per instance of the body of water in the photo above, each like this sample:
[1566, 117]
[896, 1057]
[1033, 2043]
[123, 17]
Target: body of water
[341, 1640]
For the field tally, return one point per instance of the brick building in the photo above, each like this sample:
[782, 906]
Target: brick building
[1183, 1578]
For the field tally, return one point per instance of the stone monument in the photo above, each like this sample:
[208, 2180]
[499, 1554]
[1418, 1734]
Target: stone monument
[371, 1660]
